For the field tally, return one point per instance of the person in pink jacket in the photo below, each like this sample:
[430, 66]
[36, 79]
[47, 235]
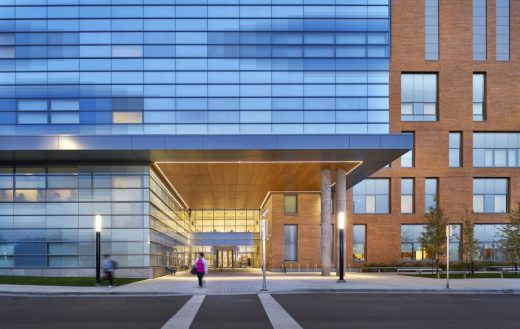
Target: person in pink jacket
[201, 267]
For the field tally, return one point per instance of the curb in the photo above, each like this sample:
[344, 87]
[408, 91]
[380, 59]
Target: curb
[302, 291]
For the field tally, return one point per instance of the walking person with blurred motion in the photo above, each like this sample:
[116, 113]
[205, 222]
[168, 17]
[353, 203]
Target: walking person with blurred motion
[109, 267]
[200, 267]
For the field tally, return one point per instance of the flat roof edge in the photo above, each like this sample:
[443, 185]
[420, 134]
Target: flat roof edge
[206, 142]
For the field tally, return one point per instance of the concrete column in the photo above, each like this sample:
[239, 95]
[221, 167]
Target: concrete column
[341, 208]
[326, 234]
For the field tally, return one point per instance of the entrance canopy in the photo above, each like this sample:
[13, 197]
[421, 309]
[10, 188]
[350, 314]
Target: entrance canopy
[231, 171]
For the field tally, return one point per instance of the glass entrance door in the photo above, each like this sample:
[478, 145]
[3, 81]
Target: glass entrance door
[225, 258]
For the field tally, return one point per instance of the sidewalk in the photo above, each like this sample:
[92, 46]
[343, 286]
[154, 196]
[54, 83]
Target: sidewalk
[250, 282]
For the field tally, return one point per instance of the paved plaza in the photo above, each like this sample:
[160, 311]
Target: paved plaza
[250, 282]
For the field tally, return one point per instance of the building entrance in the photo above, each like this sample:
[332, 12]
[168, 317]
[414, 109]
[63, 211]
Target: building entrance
[225, 258]
[228, 237]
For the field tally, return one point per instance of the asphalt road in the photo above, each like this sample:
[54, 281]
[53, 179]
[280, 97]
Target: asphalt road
[88, 312]
[330, 311]
[231, 312]
[402, 311]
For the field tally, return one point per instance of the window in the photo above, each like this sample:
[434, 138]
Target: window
[418, 97]
[7, 52]
[489, 237]
[290, 204]
[496, 150]
[372, 196]
[455, 243]
[127, 117]
[407, 199]
[479, 30]
[127, 51]
[431, 30]
[490, 195]
[359, 243]
[479, 97]
[411, 249]
[407, 160]
[290, 243]
[32, 118]
[430, 193]
[455, 150]
[502, 29]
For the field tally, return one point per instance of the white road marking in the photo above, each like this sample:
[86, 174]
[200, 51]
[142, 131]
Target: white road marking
[185, 316]
[279, 318]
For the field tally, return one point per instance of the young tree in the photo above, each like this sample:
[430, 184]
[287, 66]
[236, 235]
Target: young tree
[511, 237]
[433, 238]
[470, 245]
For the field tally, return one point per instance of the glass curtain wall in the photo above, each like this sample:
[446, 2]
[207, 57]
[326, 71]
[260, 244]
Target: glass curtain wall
[47, 219]
[169, 227]
[47, 216]
[194, 67]
[229, 238]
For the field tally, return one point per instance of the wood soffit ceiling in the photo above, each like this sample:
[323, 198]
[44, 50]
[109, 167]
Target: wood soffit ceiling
[239, 185]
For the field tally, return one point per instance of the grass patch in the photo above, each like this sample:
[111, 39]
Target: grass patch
[468, 276]
[58, 281]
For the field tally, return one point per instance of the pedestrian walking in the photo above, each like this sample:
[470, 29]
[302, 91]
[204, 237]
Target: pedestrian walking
[174, 269]
[200, 267]
[109, 267]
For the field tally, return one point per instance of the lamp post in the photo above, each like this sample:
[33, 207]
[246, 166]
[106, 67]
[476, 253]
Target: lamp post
[264, 257]
[449, 233]
[98, 249]
[341, 265]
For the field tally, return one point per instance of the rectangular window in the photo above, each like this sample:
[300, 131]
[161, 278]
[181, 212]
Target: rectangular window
[127, 117]
[479, 96]
[127, 51]
[489, 237]
[33, 118]
[359, 247]
[372, 196]
[418, 97]
[431, 192]
[455, 150]
[290, 204]
[431, 30]
[407, 160]
[502, 37]
[290, 250]
[490, 195]
[407, 195]
[411, 249]
[496, 150]
[479, 30]
[455, 243]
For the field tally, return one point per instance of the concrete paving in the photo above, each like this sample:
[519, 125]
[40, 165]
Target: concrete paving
[250, 282]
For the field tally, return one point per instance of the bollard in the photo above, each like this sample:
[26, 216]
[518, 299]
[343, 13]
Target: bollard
[502, 273]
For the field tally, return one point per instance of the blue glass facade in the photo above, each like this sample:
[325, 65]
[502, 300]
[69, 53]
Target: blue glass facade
[47, 219]
[99, 67]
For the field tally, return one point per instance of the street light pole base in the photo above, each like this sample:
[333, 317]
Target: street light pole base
[264, 289]
[98, 284]
[341, 281]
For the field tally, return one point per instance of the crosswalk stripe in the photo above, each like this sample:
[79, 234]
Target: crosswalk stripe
[279, 318]
[185, 316]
